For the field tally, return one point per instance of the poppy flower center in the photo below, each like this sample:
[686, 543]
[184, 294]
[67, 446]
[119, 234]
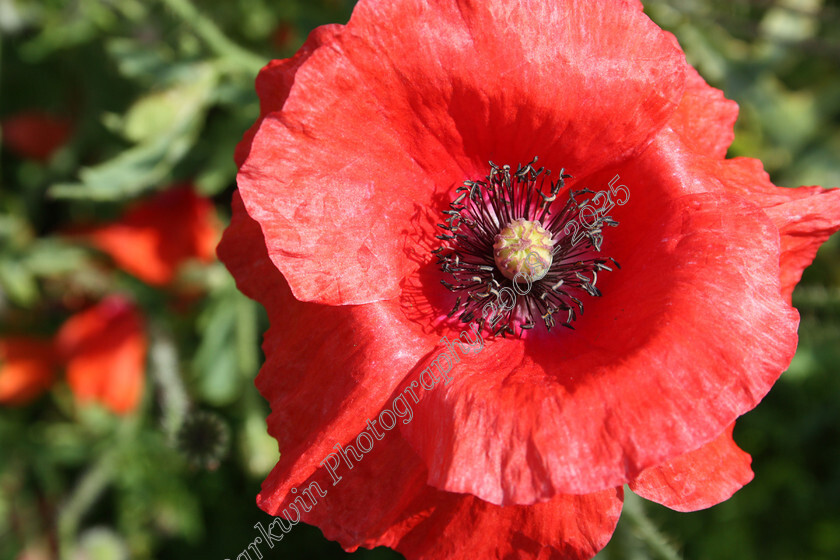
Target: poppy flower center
[523, 247]
[516, 255]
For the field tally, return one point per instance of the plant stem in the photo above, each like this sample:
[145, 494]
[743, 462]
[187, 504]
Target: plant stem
[657, 543]
[174, 402]
[85, 494]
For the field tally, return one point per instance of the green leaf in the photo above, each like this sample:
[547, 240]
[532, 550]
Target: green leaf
[258, 449]
[18, 283]
[215, 359]
[52, 257]
[165, 126]
[137, 61]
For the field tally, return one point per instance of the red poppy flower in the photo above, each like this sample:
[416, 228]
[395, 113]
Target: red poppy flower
[35, 134]
[27, 368]
[153, 238]
[373, 230]
[104, 350]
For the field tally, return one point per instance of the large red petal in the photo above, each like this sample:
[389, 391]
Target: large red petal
[104, 349]
[370, 128]
[275, 80]
[698, 479]
[804, 224]
[400, 511]
[328, 369]
[27, 369]
[704, 119]
[805, 216]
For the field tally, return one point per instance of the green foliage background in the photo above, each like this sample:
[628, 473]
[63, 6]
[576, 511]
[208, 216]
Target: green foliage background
[161, 91]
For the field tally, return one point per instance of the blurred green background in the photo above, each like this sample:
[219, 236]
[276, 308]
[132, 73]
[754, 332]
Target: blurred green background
[152, 93]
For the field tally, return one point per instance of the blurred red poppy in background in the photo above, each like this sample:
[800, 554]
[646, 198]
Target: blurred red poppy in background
[35, 134]
[102, 348]
[27, 368]
[364, 137]
[104, 351]
[156, 236]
